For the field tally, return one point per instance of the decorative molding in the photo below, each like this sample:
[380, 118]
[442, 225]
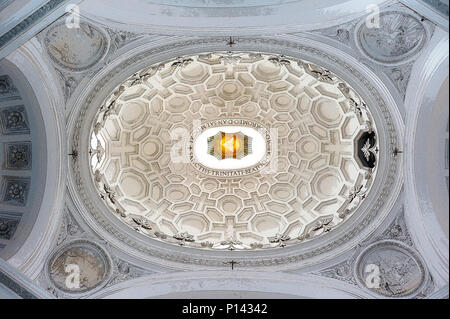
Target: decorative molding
[152, 248]
[27, 23]
[124, 271]
[397, 231]
[342, 271]
[399, 37]
[379, 48]
[342, 33]
[401, 269]
[93, 262]
[70, 229]
[120, 38]
[7, 89]
[8, 224]
[14, 120]
[15, 190]
[399, 75]
[92, 46]
[17, 155]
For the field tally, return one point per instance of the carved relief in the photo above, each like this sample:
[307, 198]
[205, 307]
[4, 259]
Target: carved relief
[91, 46]
[13, 120]
[341, 33]
[8, 225]
[400, 75]
[15, 190]
[90, 261]
[7, 89]
[401, 270]
[69, 228]
[342, 271]
[17, 155]
[119, 38]
[398, 231]
[399, 37]
[124, 271]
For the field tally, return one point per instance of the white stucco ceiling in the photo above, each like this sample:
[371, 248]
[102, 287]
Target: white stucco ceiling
[310, 179]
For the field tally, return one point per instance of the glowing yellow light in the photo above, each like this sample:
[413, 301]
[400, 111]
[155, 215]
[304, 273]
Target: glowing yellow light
[231, 144]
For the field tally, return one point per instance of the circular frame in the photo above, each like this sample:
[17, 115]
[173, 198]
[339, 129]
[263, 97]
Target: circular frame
[396, 245]
[58, 251]
[398, 59]
[101, 56]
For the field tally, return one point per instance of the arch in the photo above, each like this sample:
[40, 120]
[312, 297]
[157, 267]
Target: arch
[243, 283]
[426, 195]
[249, 17]
[47, 100]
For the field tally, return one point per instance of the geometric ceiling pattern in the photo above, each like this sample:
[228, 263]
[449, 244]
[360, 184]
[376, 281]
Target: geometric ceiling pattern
[296, 152]
[316, 177]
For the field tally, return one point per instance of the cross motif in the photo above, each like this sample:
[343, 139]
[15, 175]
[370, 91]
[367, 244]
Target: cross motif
[285, 147]
[230, 108]
[202, 94]
[124, 149]
[300, 172]
[230, 227]
[337, 148]
[231, 42]
[200, 202]
[232, 263]
[396, 151]
[158, 124]
[259, 91]
[257, 201]
[74, 154]
[229, 185]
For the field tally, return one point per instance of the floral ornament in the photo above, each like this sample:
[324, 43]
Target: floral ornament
[182, 62]
[256, 245]
[184, 237]
[120, 212]
[279, 60]
[367, 149]
[231, 244]
[16, 191]
[141, 222]
[160, 235]
[344, 213]
[323, 224]
[354, 193]
[109, 193]
[317, 72]
[230, 58]
[207, 244]
[280, 239]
